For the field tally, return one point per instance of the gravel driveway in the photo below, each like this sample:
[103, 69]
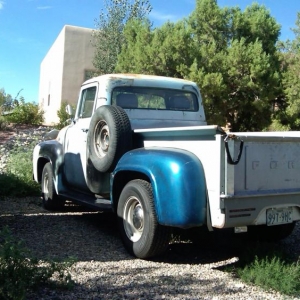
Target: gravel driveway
[104, 270]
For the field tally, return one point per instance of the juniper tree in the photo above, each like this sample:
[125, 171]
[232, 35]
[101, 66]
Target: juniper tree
[109, 38]
[230, 53]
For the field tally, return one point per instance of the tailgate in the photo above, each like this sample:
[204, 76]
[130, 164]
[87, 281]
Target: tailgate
[265, 181]
[270, 163]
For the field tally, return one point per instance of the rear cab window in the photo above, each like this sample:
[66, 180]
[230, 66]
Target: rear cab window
[129, 97]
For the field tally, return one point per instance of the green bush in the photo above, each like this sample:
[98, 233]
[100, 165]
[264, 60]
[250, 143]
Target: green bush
[63, 115]
[274, 273]
[3, 123]
[18, 181]
[20, 272]
[26, 113]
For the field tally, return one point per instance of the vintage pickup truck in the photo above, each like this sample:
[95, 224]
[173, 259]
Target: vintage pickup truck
[140, 146]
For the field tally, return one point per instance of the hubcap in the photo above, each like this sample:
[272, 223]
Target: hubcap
[101, 139]
[138, 217]
[45, 185]
[133, 219]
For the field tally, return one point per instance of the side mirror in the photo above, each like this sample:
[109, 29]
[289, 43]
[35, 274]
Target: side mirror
[69, 110]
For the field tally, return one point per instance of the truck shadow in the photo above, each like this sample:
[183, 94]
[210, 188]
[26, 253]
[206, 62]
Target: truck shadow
[225, 248]
[93, 236]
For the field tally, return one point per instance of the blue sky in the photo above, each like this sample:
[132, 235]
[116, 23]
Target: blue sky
[28, 28]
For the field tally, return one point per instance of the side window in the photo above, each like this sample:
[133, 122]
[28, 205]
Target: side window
[87, 102]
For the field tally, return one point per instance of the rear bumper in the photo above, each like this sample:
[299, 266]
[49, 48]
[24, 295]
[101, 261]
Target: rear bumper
[247, 210]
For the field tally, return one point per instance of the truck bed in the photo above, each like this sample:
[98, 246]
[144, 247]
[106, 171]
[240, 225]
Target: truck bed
[266, 177]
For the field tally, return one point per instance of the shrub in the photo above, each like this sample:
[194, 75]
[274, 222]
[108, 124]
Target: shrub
[63, 115]
[26, 113]
[20, 272]
[17, 181]
[3, 123]
[273, 273]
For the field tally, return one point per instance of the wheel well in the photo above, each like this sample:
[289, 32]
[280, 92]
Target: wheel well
[120, 180]
[40, 166]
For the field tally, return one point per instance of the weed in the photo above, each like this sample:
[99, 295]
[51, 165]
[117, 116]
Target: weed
[3, 123]
[18, 181]
[268, 267]
[19, 272]
[273, 272]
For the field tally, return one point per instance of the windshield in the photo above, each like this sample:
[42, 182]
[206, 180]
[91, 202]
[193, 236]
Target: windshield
[154, 98]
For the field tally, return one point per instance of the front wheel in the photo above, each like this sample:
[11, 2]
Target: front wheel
[51, 201]
[141, 234]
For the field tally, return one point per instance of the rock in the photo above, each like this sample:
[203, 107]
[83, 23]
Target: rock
[22, 138]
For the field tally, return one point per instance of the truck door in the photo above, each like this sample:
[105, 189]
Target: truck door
[76, 137]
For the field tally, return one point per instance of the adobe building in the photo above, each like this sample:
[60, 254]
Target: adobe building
[66, 66]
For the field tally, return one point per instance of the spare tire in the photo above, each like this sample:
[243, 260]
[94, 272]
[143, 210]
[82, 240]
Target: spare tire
[109, 137]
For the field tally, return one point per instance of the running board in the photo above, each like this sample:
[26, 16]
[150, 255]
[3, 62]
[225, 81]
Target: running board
[91, 201]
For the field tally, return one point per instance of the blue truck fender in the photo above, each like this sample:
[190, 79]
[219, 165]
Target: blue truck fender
[178, 182]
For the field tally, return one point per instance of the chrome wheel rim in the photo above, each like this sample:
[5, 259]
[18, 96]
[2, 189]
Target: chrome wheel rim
[101, 139]
[133, 219]
[46, 185]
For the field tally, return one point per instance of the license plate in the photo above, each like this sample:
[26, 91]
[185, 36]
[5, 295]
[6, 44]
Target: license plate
[276, 216]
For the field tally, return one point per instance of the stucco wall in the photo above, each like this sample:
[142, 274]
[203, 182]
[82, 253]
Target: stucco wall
[51, 79]
[63, 70]
[78, 57]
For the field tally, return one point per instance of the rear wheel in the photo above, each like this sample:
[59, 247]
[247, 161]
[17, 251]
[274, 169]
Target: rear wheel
[51, 201]
[141, 234]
